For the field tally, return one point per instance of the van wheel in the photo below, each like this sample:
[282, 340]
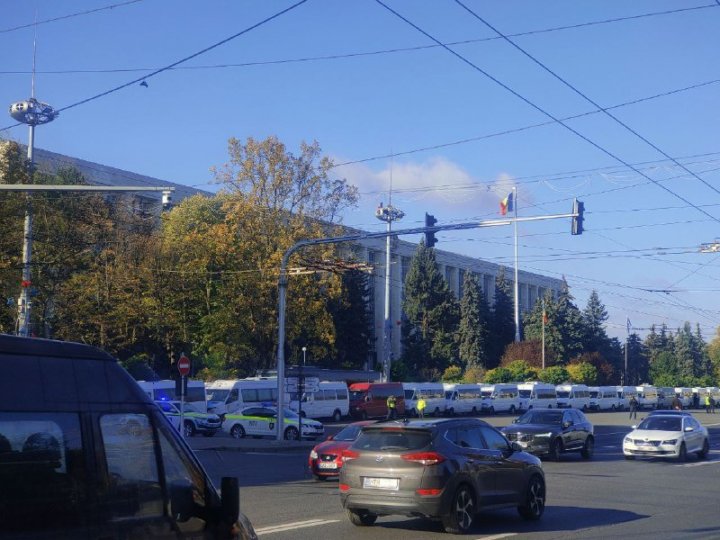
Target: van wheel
[189, 429]
[292, 434]
[450, 412]
[492, 410]
[437, 412]
[237, 432]
[550, 406]
[534, 504]
[612, 407]
[337, 416]
[584, 407]
[361, 520]
[461, 515]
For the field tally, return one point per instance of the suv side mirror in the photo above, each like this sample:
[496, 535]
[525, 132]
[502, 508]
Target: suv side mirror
[567, 424]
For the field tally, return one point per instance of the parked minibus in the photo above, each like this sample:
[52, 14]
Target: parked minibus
[503, 397]
[647, 396]
[462, 398]
[624, 394]
[576, 396]
[369, 400]
[232, 395]
[537, 395]
[165, 390]
[665, 395]
[685, 395]
[432, 392]
[331, 400]
[604, 398]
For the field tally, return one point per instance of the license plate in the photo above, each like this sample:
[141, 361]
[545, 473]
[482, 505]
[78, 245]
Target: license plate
[328, 465]
[382, 483]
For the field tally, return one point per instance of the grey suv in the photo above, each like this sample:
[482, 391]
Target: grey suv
[446, 469]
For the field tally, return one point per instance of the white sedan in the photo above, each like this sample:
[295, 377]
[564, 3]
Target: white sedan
[667, 435]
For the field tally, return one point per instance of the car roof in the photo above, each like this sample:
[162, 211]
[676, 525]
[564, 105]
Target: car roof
[420, 423]
[669, 413]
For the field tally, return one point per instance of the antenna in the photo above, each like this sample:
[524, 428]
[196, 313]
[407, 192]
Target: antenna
[32, 81]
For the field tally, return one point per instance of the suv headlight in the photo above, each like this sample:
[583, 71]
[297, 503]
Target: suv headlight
[313, 454]
[544, 435]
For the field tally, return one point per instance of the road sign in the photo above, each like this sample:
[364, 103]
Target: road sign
[183, 366]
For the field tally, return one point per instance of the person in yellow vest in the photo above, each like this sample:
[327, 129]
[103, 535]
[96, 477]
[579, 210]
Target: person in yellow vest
[421, 407]
[707, 403]
[391, 407]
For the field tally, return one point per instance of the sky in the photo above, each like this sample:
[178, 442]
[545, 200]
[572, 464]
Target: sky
[448, 103]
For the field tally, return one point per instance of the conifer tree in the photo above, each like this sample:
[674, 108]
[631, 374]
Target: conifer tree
[474, 324]
[503, 318]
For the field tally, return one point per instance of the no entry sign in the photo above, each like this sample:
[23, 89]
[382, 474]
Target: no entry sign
[183, 366]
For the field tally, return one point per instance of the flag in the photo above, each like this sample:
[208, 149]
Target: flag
[506, 205]
[629, 326]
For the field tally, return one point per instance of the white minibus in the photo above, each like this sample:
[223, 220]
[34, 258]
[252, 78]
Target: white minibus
[647, 396]
[433, 393]
[501, 397]
[165, 390]
[230, 396]
[624, 394]
[537, 395]
[576, 396]
[329, 401]
[462, 398]
[685, 395]
[604, 398]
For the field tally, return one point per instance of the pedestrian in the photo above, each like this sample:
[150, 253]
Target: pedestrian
[391, 407]
[712, 404]
[707, 403]
[421, 407]
[633, 407]
[676, 404]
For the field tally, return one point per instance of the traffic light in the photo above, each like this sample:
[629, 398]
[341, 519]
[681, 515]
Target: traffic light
[430, 239]
[577, 222]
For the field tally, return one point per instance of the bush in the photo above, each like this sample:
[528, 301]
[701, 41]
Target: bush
[452, 374]
[582, 373]
[498, 375]
[554, 375]
[474, 374]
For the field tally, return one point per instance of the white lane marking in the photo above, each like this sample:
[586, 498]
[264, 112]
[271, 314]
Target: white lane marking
[295, 525]
[497, 536]
[700, 463]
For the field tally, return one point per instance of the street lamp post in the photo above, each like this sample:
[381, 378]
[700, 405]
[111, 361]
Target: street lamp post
[388, 214]
[301, 391]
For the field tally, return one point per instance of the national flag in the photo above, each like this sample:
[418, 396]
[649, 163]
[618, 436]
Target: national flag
[629, 326]
[506, 205]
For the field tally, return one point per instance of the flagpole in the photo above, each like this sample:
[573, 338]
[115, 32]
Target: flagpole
[517, 285]
[543, 333]
[627, 342]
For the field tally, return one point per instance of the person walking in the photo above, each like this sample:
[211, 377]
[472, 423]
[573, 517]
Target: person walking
[633, 407]
[421, 407]
[712, 404]
[707, 403]
[391, 407]
[676, 404]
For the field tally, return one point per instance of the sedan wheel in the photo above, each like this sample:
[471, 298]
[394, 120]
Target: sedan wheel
[292, 434]
[682, 455]
[462, 512]
[534, 505]
[555, 449]
[588, 448]
[237, 432]
[702, 454]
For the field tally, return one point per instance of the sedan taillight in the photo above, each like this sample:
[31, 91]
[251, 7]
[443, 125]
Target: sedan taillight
[424, 458]
[348, 454]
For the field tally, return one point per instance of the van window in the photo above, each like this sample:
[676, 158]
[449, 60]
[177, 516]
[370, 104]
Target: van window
[329, 395]
[409, 394]
[234, 396]
[42, 472]
[318, 396]
[342, 394]
[133, 482]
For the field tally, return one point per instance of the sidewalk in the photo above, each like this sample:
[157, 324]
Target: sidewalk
[224, 442]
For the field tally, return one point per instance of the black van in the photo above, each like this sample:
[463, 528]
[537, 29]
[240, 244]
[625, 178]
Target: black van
[84, 453]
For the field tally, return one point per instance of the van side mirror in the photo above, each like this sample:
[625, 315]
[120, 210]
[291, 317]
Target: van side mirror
[182, 505]
[230, 497]
[516, 447]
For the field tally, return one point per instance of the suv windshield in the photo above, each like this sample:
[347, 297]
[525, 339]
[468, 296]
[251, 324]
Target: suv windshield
[357, 395]
[392, 439]
[553, 418]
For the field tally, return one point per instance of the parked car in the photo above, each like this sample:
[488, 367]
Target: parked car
[553, 432]
[667, 435]
[193, 422]
[325, 460]
[446, 469]
[261, 422]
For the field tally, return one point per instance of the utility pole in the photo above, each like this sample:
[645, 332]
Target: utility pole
[388, 214]
[517, 284]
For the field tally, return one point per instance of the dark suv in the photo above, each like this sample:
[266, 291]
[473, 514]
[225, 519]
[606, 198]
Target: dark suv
[447, 469]
[551, 432]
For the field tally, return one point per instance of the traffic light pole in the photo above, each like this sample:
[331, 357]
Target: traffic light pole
[283, 281]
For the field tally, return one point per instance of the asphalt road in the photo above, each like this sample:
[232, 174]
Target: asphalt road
[598, 499]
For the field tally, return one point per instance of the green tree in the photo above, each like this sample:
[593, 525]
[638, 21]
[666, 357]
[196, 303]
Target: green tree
[452, 374]
[502, 319]
[352, 320]
[665, 371]
[713, 351]
[545, 309]
[432, 314]
[570, 325]
[582, 373]
[474, 323]
[637, 361]
[554, 375]
[594, 316]
[498, 375]
[521, 371]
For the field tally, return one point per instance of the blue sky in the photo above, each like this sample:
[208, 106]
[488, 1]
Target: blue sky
[640, 249]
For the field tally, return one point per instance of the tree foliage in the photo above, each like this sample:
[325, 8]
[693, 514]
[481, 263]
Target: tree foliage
[474, 331]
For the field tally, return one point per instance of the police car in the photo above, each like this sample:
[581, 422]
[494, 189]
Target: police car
[194, 421]
[262, 421]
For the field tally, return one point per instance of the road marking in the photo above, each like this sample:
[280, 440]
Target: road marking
[497, 536]
[700, 463]
[293, 526]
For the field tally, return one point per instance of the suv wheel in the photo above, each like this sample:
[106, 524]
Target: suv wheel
[556, 449]
[188, 429]
[462, 512]
[237, 432]
[364, 519]
[534, 505]
[588, 448]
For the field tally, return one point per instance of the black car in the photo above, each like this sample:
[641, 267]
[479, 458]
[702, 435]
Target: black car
[551, 432]
[442, 469]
